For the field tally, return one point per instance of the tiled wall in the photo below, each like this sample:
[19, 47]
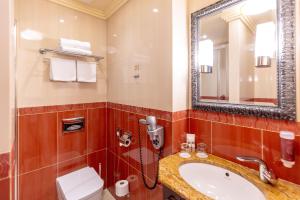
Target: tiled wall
[226, 136]
[54, 22]
[136, 36]
[46, 153]
[7, 174]
[230, 135]
[4, 176]
[123, 163]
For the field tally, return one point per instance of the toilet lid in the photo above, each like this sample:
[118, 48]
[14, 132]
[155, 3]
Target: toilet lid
[80, 184]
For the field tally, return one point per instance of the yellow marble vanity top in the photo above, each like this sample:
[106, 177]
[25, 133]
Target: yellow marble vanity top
[169, 176]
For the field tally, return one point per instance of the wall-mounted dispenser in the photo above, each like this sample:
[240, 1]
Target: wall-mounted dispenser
[287, 143]
[72, 124]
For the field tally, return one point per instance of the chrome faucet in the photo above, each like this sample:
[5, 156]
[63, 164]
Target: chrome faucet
[264, 174]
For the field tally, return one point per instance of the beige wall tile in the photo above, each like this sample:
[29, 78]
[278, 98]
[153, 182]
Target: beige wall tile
[180, 54]
[53, 22]
[139, 36]
[6, 80]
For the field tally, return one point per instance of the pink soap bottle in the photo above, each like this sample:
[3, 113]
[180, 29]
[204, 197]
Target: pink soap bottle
[287, 143]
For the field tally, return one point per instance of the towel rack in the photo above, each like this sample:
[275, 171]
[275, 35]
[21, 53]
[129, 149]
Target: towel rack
[66, 53]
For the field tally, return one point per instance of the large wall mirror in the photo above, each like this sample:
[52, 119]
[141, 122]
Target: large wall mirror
[243, 58]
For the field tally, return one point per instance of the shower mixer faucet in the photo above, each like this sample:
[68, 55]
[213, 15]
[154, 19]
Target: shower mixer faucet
[155, 132]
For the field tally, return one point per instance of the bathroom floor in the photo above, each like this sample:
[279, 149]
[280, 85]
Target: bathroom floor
[107, 195]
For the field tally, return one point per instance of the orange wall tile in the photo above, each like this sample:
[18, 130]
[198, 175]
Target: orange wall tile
[94, 159]
[46, 153]
[37, 185]
[226, 136]
[233, 135]
[230, 141]
[37, 141]
[203, 132]
[96, 126]
[4, 189]
[74, 144]
[124, 163]
[272, 155]
[4, 165]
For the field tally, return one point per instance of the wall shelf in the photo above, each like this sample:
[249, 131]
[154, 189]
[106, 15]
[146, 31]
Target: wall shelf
[74, 54]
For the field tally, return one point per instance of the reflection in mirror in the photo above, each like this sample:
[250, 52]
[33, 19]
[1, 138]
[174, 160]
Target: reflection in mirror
[236, 54]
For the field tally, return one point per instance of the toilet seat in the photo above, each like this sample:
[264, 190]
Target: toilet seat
[82, 184]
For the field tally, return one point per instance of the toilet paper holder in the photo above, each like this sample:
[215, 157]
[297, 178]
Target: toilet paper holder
[124, 138]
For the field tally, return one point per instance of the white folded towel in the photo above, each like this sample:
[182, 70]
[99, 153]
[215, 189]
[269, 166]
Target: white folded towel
[76, 50]
[75, 44]
[86, 72]
[62, 69]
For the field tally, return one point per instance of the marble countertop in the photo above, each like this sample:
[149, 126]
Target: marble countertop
[169, 176]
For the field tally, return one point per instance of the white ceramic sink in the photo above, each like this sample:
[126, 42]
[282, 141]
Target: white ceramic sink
[219, 183]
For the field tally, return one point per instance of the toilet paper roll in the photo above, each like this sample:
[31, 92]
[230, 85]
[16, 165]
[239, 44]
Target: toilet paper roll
[122, 188]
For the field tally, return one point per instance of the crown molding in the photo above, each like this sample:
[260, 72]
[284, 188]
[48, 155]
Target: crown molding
[99, 13]
[113, 7]
[234, 15]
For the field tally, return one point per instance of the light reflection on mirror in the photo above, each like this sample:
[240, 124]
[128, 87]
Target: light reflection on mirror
[239, 43]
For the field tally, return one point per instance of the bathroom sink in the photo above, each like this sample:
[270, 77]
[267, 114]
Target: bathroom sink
[219, 183]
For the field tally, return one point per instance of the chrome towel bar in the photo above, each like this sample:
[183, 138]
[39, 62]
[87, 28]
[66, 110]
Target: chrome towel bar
[66, 53]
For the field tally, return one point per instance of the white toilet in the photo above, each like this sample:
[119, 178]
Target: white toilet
[83, 184]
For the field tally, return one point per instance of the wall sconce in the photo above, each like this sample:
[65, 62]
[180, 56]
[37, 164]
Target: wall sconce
[264, 44]
[206, 56]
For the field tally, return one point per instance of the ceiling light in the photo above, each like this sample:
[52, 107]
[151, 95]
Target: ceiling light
[155, 10]
[250, 79]
[61, 20]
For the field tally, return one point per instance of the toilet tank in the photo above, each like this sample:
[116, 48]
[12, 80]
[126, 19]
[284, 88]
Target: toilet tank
[83, 184]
